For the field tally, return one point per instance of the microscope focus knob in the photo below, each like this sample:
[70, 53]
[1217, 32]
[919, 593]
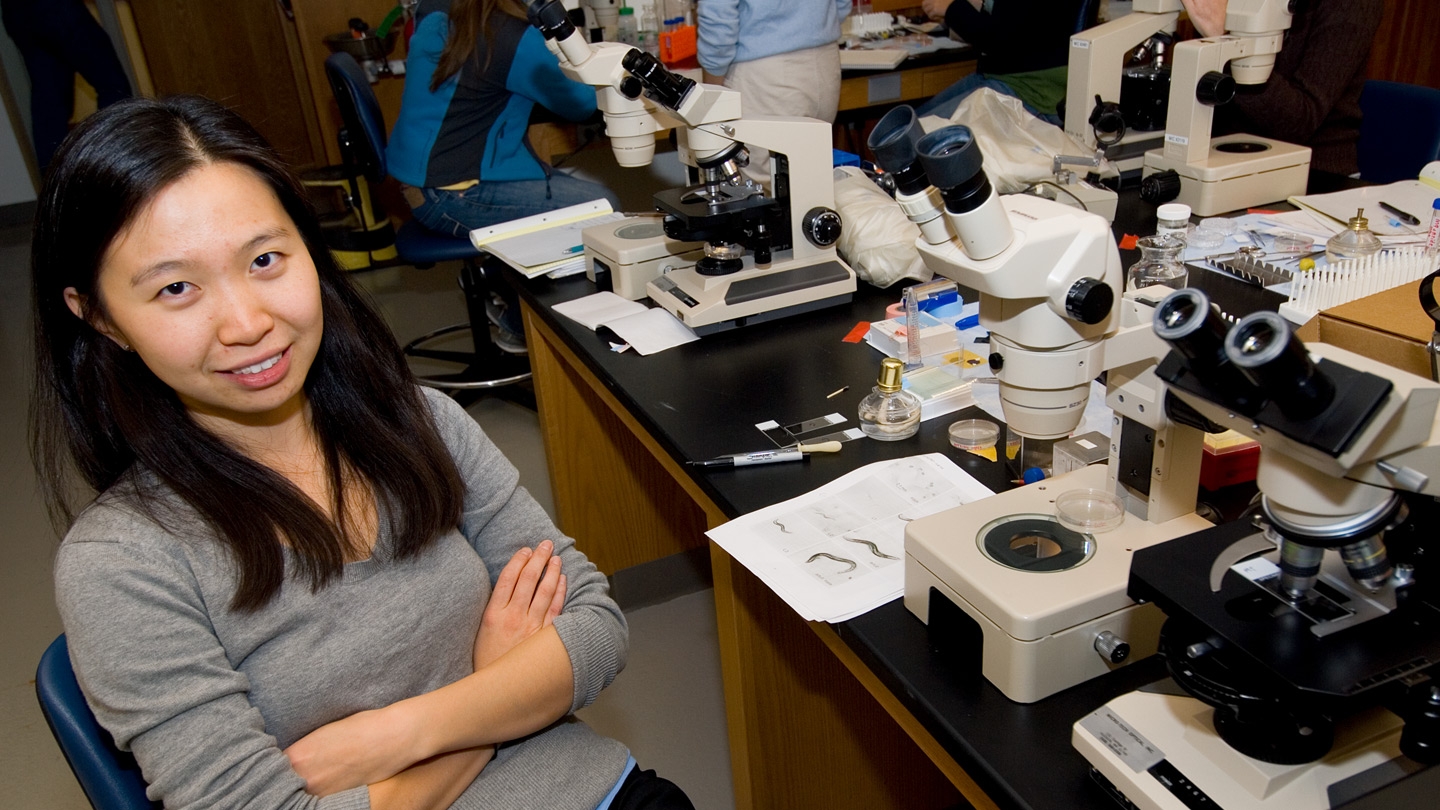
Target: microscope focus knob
[821, 227]
[1089, 300]
[1215, 88]
[1112, 648]
[631, 87]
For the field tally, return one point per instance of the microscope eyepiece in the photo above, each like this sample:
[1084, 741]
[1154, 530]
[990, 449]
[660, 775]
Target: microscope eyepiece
[661, 85]
[1267, 352]
[952, 160]
[551, 18]
[1194, 329]
[894, 142]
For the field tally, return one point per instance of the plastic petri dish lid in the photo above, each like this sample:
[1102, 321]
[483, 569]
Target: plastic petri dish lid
[1289, 242]
[1089, 510]
[974, 434]
[1221, 225]
[1205, 239]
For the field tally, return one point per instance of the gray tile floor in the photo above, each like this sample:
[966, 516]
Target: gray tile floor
[666, 705]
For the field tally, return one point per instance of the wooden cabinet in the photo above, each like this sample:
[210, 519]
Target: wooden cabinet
[264, 58]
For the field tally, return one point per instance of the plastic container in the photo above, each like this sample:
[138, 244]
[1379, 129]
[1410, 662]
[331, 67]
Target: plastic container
[1205, 238]
[1172, 219]
[1228, 458]
[627, 27]
[1092, 511]
[1221, 225]
[976, 436]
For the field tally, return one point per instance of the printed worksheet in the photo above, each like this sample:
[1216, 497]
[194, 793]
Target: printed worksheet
[837, 552]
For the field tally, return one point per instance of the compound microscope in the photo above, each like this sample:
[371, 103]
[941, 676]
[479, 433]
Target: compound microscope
[769, 251]
[1049, 600]
[1305, 643]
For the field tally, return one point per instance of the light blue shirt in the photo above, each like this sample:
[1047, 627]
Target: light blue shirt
[733, 31]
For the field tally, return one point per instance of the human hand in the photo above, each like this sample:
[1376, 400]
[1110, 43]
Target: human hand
[1208, 16]
[528, 595]
[935, 9]
[361, 749]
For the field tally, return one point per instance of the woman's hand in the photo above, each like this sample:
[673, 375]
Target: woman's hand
[935, 9]
[361, 749]
[528, 595]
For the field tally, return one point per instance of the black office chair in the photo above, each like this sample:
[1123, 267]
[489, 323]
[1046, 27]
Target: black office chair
[110, 778]
[362, 146]
[1399, 130]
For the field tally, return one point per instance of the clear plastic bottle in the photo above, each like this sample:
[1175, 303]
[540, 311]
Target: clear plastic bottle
[890, 413]
[626, 27]
[1173, 219]
[647, 30]
[1159, 263]
[1355, 242]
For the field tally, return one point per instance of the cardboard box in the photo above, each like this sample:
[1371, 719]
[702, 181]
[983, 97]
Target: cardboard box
[1389, 326]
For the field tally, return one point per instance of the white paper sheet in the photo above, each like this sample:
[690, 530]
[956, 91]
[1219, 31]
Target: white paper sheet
[598, 308]
[651, 331]
[839, 551]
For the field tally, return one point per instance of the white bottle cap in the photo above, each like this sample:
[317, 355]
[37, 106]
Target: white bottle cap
[1174, 211]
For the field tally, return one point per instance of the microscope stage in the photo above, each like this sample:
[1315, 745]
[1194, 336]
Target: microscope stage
[1241, 171]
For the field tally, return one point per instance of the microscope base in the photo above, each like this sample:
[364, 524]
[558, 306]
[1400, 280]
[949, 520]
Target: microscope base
[1234, 180]
[709, 304]
[1161, 751]
[1038, 627]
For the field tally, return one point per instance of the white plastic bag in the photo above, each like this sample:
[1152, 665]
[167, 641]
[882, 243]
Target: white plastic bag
[876, 238]
[1019, 148]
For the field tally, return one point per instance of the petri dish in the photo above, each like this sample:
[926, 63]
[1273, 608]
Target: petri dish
[974, 435]
[1205, 239]
[1292, 243]
[1092, 511]
[1221, 225]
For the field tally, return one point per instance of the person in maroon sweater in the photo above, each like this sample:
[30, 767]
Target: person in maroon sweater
[1313, 95]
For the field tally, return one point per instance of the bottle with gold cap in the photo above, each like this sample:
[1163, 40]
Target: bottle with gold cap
[1355, 242]
[890, 413]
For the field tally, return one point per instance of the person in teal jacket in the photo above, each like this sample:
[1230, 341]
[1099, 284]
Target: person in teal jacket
[475, 70]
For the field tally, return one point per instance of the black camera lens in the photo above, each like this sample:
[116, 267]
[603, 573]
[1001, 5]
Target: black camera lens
[894, 142]
[952, 161]
[1266, 350]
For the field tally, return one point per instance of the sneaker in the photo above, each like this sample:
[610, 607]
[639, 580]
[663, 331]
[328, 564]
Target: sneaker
[506, 334]
[507, 341]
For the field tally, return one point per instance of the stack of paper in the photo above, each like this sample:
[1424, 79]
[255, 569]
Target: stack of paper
[544, 243]
[645, 330]
[1410, 196]
[839, 551]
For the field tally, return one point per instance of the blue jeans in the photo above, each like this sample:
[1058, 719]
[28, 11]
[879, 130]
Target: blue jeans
[944, 102]
[489, 203]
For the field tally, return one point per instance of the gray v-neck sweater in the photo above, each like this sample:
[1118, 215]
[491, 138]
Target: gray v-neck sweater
[207, 698]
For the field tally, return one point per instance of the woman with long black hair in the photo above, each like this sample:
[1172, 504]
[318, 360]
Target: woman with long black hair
[305, 582]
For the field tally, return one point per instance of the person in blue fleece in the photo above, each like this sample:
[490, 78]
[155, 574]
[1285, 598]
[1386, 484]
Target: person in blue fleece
[475, 70]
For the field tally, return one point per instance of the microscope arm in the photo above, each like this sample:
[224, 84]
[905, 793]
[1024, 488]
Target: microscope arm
[1097, 60]
[1256, 33]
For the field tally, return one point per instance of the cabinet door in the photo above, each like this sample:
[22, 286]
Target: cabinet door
[239, 53]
